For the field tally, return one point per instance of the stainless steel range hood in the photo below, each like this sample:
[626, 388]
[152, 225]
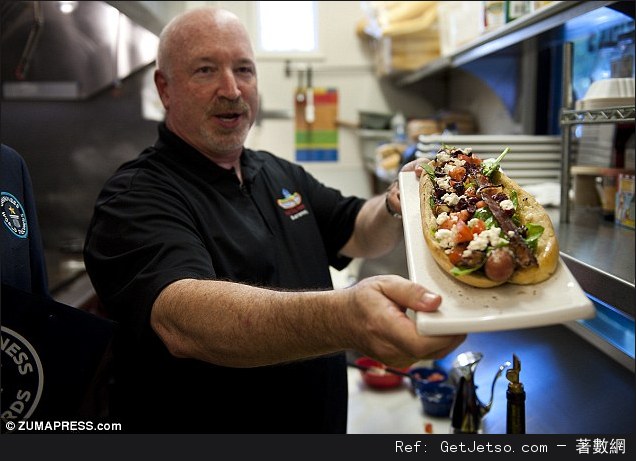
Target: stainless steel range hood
[51, 54]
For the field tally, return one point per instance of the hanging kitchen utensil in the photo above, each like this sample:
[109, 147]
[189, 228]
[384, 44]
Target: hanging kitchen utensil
[310, 108]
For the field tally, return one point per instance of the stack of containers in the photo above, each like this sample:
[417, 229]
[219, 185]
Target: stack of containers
[532, 159]
[462, 22]
[404, 35]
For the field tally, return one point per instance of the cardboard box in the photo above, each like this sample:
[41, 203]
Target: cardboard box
[459, 23]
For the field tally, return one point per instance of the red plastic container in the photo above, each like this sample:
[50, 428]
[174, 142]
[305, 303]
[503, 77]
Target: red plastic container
[376, 377]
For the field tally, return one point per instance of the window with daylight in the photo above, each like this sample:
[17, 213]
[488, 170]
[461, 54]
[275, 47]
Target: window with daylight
[287, 28]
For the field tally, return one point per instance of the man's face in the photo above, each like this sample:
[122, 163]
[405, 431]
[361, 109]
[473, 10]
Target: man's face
[211, 94]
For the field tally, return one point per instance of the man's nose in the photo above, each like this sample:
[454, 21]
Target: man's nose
[228, 85]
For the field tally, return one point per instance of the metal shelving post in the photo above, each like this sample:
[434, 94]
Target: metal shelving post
[570, 117]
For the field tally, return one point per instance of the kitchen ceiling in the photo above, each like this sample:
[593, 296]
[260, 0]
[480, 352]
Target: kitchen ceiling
[48, 53]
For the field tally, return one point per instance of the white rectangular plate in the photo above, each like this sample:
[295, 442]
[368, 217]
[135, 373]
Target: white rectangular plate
[467, 309]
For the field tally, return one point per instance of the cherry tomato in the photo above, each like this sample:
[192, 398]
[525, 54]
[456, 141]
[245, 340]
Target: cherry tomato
[455, 255]
[461, 215]
[464, 234]
[464, 215]
[448, 224]
[465, 158]
[458, 173]
[478, 226]
[472, 159]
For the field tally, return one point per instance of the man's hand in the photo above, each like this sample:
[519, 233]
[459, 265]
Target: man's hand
[380, 327]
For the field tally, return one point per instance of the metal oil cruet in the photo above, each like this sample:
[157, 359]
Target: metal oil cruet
[468, 411]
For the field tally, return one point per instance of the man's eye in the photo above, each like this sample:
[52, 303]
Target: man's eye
[246, 70]
[205, 70]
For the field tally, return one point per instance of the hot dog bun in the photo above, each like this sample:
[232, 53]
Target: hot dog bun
[528, 211]
[547, 252]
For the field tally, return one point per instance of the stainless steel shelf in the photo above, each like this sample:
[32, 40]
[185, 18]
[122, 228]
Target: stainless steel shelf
[592, 116]
[517, 31]
[572, 117]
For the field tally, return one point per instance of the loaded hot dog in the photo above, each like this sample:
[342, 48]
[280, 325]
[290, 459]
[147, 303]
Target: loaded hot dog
[481, 226]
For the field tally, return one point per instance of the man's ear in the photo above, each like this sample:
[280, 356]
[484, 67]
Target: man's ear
[161, 83]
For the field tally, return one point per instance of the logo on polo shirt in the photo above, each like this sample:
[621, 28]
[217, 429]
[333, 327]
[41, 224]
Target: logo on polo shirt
[292, 204]
[22, 378]
[13, 215]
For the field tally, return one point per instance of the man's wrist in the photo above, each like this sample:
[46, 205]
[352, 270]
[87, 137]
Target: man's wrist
[387, 203]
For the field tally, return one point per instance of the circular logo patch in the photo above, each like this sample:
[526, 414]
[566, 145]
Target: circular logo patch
[22, 377]
[13, 215]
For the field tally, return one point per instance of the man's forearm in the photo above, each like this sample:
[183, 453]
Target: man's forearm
[376, 231]
[238, 325]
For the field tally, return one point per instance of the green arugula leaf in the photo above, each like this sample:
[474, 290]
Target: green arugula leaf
[486, 216]
[489, 166]
[534, 232]
[429, 171]
[456, 271]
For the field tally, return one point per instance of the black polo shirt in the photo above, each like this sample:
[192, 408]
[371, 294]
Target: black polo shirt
[172, 214]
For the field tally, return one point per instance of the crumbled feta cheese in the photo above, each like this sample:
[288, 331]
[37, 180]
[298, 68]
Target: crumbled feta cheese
[451, 199]
[472, 222]
[448, 167]
[442, 157]
[443, 183]
[452, 164]
[444, 237]
[507, 205]
[441, 218]
[486, 237]
[480, 242]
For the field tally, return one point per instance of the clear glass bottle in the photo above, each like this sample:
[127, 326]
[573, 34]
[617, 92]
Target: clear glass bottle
[515, 400]
[398, 125]
[603, 64]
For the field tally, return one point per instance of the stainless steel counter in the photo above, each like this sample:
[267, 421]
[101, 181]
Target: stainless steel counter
[600, 255]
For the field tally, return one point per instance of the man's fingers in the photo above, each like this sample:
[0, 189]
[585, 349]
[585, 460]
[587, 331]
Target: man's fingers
[411, 295]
